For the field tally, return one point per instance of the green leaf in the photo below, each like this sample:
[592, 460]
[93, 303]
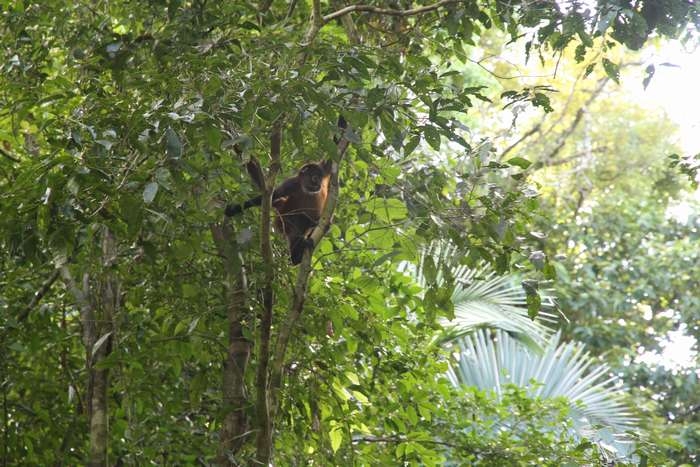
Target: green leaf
[189, 290]
[336, 436]
[520, 162]
[149, 192]
[387, 210]
[589, 70]
[649, 73]
[612, 70]
[534, 303]
[410, 146]
[542, 100]
[352, 377]
[411, 415]
[173, 145]
[432, 137]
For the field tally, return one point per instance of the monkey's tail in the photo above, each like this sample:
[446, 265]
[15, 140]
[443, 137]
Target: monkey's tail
[234, 209]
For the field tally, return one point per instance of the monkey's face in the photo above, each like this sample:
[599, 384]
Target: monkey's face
[311, 176]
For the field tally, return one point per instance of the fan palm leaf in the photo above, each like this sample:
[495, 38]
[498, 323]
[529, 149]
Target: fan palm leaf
[559, 370]
[481, 298]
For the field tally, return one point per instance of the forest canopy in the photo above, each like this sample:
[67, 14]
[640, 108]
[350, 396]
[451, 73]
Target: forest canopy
[489, 272]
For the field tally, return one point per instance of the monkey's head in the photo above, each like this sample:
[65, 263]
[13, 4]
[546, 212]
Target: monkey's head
[311, 178]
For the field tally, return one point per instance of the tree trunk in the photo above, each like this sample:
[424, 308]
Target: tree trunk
[98, 307]
[235, 424]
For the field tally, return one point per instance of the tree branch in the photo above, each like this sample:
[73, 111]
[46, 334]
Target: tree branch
[264, 435]
[318, 20]
[235, 424]
[264, 6]
[39, 294]
[315, 22]
[303, 277]
[290, 9]
[387, 11]
[349, 25]
[529, 133]
[563, 137]
[593, 95]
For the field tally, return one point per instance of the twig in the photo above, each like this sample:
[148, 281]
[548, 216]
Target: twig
[387, 11]
[529, 133]
[39, 294]
[9, 156]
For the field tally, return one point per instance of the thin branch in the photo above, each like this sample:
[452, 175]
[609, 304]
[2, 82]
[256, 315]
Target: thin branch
[529, 133]
[593, 95]
[315, 22]
[290, 9]
[39, 294]
[387, 11]
[264, 435]
[9, 156]
[564, 160]
[264, 6]
[349, 25]
[563, 137]
[504, 77]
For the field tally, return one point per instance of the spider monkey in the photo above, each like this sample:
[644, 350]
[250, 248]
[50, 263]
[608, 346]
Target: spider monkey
[299, 202]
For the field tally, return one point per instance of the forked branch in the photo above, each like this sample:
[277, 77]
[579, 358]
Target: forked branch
[386, 11]
[304, 272]
[317, 21]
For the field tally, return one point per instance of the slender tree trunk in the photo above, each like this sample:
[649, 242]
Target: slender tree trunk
[108, 297]
[263, 440]
[98, 307]
[98, 418]
[235, 423]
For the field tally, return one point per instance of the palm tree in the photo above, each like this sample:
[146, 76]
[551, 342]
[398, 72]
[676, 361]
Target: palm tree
[484, 300]
[481, 298]
[560, 370]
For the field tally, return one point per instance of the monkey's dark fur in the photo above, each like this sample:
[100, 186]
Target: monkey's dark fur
[299, 202]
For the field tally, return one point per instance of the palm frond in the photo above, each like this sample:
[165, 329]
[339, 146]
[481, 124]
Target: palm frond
[481, 298]
[565, 370]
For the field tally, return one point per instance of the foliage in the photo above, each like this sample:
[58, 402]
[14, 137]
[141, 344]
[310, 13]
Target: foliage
[132, 119]
[619, 226]
[479, 297]
[560, 371]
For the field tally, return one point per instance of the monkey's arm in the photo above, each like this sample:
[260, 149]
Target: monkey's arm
[285, 189]
[233, 209]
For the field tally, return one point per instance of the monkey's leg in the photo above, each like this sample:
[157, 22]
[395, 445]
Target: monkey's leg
[297, 245]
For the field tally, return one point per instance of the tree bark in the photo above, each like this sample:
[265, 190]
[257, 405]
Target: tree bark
[98, 307]
[235, 423]
[264, 422]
